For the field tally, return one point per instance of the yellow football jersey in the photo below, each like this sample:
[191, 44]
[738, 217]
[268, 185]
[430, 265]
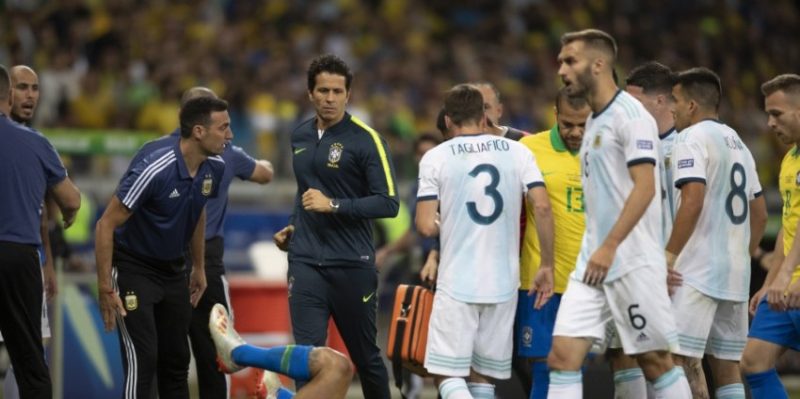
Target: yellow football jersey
[561, 170]
[789, 185]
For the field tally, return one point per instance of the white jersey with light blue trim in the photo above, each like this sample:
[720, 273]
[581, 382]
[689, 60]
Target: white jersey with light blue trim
[667, 183]
[716, 259]
[622, 135]
[479, 181]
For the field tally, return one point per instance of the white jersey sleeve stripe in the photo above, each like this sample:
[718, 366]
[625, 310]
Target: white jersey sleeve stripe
[144, 179]
[135, 186]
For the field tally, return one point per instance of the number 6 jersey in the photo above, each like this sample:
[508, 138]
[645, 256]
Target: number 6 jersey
[479, 181]
[716, 259]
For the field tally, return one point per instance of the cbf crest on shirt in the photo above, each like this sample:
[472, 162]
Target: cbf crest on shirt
[335, 154]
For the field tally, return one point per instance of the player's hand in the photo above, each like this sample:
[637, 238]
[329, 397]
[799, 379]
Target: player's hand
[315, 201]
[50, 286]
[429, 271]
[282, 238]
[110, 307]
[776, 291]
[792, 298]
[599, 263]
[674, 280]
[197, 286]
[756, 299]
[542, 286]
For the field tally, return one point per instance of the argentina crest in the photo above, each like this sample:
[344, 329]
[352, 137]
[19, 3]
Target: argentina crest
[208, 183]
[335, 154]
[131, 301]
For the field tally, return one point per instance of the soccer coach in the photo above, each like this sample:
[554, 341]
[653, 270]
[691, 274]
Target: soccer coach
[157, 212]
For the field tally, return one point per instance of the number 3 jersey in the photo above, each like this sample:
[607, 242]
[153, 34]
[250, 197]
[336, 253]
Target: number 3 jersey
[716, 259]
[479, 181]
[618, 137]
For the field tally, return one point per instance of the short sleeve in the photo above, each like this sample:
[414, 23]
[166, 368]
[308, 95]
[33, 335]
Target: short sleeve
[51, 163]
[142, 180]
[689, 159]
[752, 175]
[531, 174]
[428, 178]
[242, 163]
[639, 142]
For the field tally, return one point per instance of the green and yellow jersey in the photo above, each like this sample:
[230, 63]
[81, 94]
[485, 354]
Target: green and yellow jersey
[561, 170]
[789, 185]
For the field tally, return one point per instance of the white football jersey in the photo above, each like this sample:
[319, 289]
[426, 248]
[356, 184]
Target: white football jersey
[667, 183]
[622, 135]
[716, 259]
[479, 181]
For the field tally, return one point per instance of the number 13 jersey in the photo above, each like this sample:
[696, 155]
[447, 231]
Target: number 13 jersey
[716, 259]
[479, 181]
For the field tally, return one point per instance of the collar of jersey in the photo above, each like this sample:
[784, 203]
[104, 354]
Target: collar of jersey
[557, 142]
[666, 134]
[335, 128]
[183, 171]
[596, 114]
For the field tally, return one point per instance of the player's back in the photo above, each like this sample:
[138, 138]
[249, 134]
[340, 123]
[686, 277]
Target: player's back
[716, 258]
[481, 179]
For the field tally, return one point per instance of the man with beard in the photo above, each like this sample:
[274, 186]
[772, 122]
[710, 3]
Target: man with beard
[620, 275]
[556, 152]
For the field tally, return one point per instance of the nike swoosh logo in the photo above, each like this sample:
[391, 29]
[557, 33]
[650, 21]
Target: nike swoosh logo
[366, 299]
[299, 150]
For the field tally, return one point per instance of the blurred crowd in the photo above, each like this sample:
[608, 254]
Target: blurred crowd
[123, 63]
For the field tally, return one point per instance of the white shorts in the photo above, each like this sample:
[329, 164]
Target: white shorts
[709, 325]
[637, 304]
[45, 319]
[463, 335]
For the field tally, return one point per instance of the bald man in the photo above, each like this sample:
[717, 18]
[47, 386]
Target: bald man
[25, 90]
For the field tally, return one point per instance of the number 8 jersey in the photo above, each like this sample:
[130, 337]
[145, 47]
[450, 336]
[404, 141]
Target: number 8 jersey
[716, 259]
[479, 181]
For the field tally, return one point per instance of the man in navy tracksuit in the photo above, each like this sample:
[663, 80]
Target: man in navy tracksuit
[157, 213]
[212, 383]
[345, 178]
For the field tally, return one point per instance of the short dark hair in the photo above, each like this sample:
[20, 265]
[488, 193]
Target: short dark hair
[594, 38]
[653, 77]
[464, 103]
[5, 83]
[575, 103]
[787, 82]
[426, 138]
[331, 64]
[197, 111]
[701, 85]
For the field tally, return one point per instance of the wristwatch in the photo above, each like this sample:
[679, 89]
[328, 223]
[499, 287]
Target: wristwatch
[334, 204]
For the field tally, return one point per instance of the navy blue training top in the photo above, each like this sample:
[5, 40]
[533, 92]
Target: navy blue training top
[237, 164]
[350, 163]
[166, 202]
[29, 165]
